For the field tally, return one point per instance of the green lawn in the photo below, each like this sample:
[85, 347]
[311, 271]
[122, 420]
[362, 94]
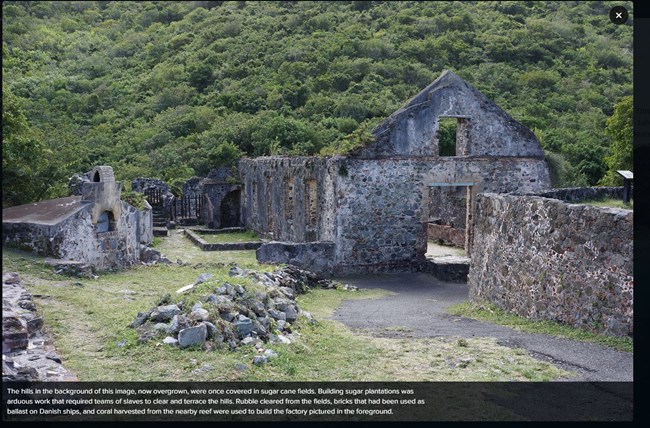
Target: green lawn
[610, 203]
[225, 238]
[89, 317]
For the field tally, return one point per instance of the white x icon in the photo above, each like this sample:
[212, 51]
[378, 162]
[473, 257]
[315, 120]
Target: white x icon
[619, 15]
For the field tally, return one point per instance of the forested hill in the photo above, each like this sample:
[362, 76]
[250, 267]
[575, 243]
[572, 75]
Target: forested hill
[171, 89]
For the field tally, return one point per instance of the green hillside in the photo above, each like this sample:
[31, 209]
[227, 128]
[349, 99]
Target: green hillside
[172, 89]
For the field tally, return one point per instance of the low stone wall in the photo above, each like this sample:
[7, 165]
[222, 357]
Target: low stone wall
[229, 246]
[545, 259]
[449, 268]
[28, 353]
[316, 257]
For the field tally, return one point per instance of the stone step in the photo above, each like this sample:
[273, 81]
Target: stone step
[448, 268]
[160, 231]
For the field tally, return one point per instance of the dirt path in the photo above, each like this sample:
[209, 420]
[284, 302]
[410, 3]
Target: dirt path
[418, 309]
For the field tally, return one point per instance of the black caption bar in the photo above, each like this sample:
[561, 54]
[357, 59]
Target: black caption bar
[311, 401]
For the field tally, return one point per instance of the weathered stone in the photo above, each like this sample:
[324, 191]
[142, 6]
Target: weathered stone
[140, 319]
[212, 329]
[244, 325]
[264, 321]
[259, 328]
[237, 271]
[34, 323]
[27, 355]
[227, 316]
[179, 322]
[568, 263]
[248, 341]
[170, 341]
[164, 313]
[149, 255]
[218, 300]
[281, 339]
[277, 315]
[26, 304]
[145, 334]
[192, 336]
[258, 307]
[199, 314]
[288, 292]
[291, 313]
[281, 324]
[161, 327]
[241, 367]
[53, 357]
[14, 333]
[203, 278]
[10, 278]
[226, 289]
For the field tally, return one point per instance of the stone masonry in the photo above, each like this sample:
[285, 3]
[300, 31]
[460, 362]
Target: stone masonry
[543, 258]
[375, 204]
[95, 227]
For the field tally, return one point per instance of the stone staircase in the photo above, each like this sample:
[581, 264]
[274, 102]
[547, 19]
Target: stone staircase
[160, 221]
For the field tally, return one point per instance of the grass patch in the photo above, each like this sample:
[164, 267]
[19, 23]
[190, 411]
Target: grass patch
[88, 318]
[610, 203]
[177, 247]
[157, 240]
[436, 249]
[225, 238]
[496, 315]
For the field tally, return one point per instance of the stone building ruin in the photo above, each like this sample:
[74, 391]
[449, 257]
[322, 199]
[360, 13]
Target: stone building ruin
[375, 208]
[93, 226]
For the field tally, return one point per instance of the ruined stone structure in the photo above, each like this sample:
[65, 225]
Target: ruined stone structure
[213, 200]
[544, 258]
[95, 227]
[221, 197]
[372, 210]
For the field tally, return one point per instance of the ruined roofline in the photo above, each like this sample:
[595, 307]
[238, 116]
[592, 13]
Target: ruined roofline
[446, 79]
[45, 213]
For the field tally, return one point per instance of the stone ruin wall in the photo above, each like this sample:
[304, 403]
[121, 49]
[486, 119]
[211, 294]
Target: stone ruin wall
[374, 211]
[288, 199]
[376, 204]
[382, 204]
[546, 259]
[76, 238]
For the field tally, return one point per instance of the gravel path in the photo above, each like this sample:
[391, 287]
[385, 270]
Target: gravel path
[420, 309]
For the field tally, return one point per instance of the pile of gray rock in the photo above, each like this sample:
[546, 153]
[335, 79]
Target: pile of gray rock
[232, 315]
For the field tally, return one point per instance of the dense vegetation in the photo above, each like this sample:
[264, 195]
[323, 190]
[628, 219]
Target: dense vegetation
[172, 89]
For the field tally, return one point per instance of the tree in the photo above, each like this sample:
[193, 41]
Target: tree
[620, 129]
[21, 154]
